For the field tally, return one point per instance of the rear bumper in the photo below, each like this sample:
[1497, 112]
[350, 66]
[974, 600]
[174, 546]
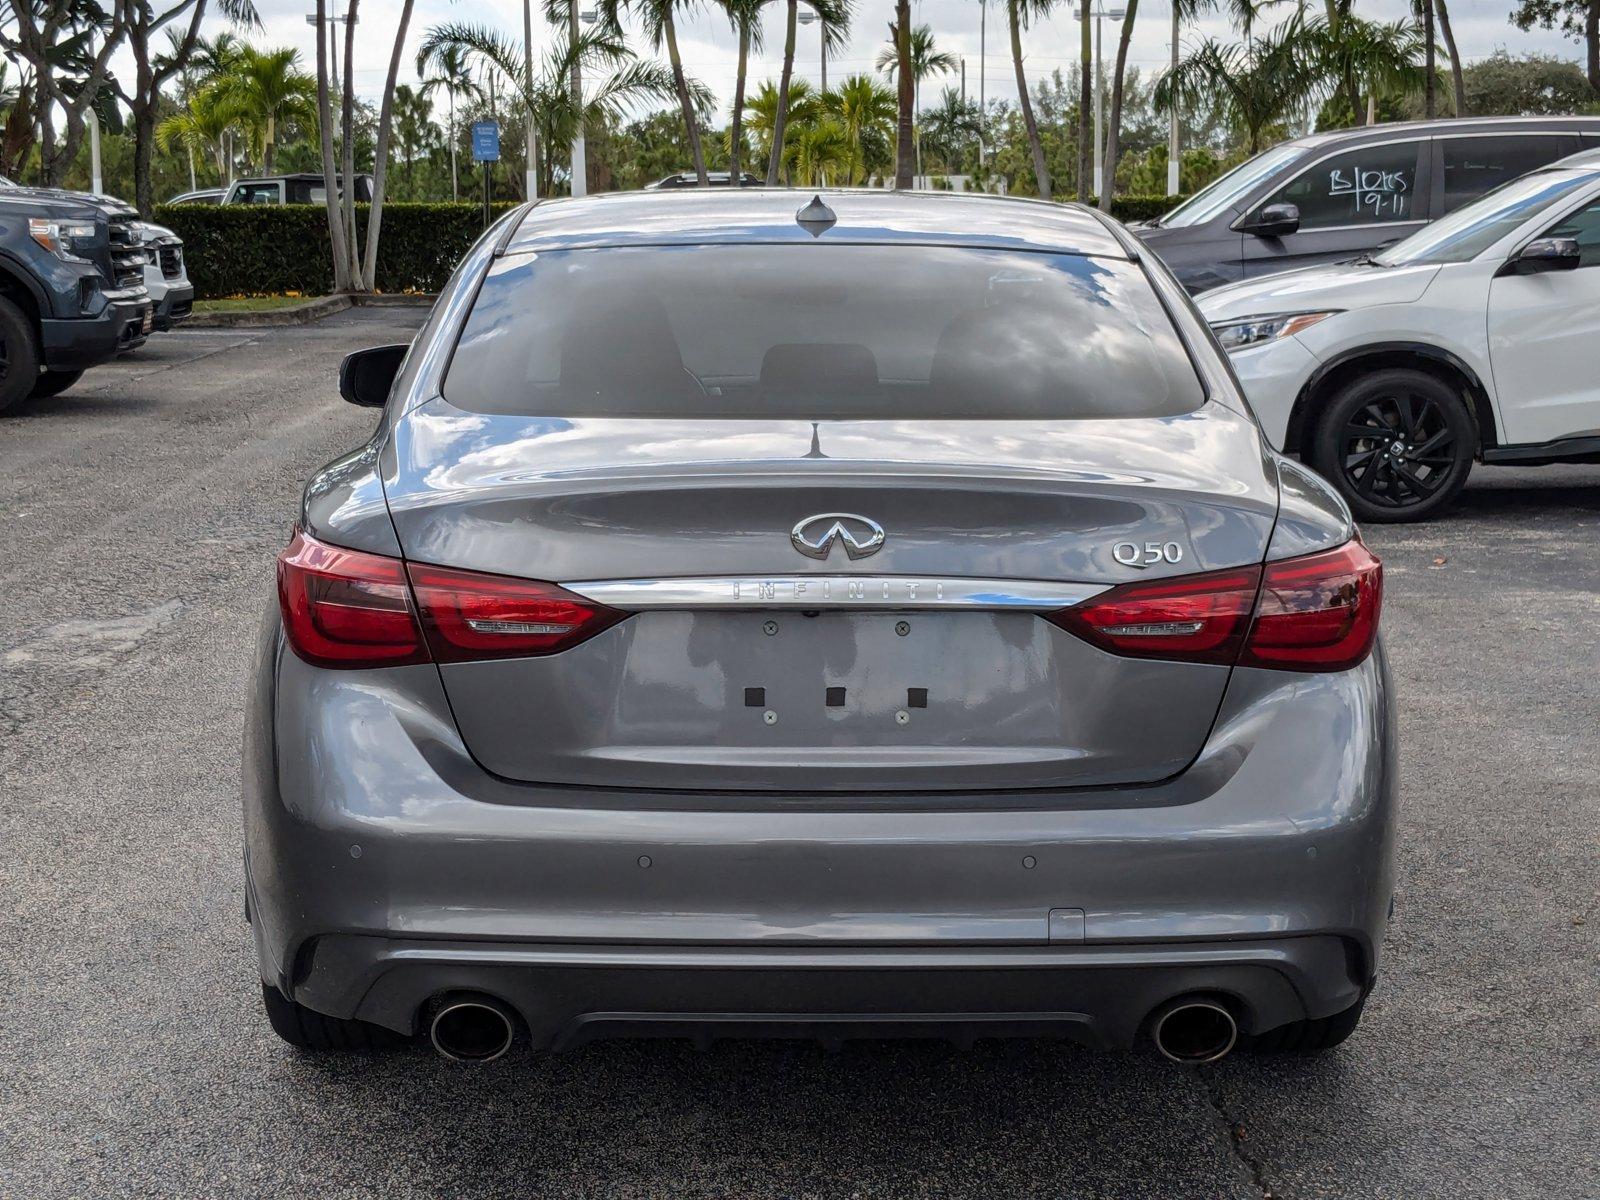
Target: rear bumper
[385, 867]
[570, 994]
[76, 343]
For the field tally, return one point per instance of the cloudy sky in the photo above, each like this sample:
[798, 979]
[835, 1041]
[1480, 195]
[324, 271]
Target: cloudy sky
[708, 47]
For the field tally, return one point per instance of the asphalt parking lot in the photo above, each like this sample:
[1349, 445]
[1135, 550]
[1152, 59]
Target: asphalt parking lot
[142, 510]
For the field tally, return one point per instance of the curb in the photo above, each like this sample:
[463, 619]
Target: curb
[300, 314]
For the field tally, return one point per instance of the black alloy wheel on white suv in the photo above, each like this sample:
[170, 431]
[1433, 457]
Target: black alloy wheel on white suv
[1397, 443]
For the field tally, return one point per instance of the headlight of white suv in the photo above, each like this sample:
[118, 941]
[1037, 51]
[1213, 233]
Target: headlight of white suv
[1254, 331]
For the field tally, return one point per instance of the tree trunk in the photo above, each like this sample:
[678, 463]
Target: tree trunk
[1085, 102]
[1591, 41]
[780, 121]
[269, 144]
[1041, 169]
[736, 129]
[1457, 82]
[347, 125]
[144, 137]
[455, 185]
[904, 150]
[380, 155]
[330, 198]
[685, 101]
[1114, 127]
[1429, 65]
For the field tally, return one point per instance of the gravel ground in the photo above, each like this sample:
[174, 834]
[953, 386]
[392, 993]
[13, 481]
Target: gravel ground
[142, 510]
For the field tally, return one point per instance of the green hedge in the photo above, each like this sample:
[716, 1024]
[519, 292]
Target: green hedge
[1143, 208]
[267, 250]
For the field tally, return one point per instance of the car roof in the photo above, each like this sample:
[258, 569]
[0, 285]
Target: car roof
[1583, 160]
[1458, 126]
[696, 216]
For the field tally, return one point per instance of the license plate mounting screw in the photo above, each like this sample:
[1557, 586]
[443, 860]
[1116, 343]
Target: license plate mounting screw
[902, 717]
[770, 628]
[770, 717]
[902, 627]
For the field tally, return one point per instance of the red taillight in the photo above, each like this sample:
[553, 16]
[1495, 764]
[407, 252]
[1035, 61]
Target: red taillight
[468, 615]
[346, 608]
[1316, 613]
[1198, 618]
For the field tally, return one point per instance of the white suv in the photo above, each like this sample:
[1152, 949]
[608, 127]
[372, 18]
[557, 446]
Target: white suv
[1477, 338]
[165, 276]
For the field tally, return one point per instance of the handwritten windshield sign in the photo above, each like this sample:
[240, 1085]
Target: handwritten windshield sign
[1374, 192]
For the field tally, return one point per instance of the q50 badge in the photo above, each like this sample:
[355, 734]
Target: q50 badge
[1133, 554]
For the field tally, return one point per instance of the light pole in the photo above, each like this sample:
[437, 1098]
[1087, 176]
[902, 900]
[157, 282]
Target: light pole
[1173, 149]
[1100, 14]
[580, 161]
[983, 91]
[531, 175]
[807, 17]
[333, 37]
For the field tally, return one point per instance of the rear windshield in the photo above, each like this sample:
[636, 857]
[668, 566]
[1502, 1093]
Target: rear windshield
[819, 332]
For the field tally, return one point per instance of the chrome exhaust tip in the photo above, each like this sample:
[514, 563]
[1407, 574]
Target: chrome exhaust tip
[472, 1029]
[1194, 1029]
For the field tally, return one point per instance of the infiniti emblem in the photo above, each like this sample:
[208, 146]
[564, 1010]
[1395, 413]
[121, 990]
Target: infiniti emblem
[860, 536]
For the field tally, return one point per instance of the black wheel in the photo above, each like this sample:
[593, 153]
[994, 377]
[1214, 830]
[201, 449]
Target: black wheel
[53, 383]
[1307, 1037]
[300, 1026]
[19, 355]
[1398, 445]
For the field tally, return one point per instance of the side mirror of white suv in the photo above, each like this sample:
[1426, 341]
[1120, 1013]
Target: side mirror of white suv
[1544, 254]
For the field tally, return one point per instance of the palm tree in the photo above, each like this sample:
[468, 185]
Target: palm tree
[1019, 15]
[547, 96]
[805, 107]
[1457, 81]
[202, 125]
[745, 17]
[816, 152]
[1382, 59]
[452, 74]
[266, 88]
[1252, 83]
[835, 16]
[1114, 119]
[661, 27]
[863, 107]
[413, 129]
[906, 101]
[926, 59]
[950, 127]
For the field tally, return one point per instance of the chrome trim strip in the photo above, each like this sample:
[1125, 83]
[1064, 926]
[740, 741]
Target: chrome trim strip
[834, 591]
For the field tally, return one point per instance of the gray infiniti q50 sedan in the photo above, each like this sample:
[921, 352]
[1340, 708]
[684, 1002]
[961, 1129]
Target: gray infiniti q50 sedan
[862, 616]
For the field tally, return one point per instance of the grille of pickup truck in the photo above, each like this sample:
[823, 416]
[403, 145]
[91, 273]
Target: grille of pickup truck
[128, 255]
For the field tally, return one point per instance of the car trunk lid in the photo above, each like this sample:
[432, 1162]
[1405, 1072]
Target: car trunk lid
[749, 665]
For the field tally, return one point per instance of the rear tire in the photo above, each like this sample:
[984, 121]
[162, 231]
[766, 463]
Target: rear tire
[53, 383]
[309, 1030]
[1307, 1037]
[19, 355]
[1397, 443]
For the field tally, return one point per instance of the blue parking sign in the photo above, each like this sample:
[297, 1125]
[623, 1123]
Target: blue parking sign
[486, 141]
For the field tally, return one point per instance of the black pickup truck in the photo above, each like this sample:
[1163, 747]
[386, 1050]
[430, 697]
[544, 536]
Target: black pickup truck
[72, 291]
